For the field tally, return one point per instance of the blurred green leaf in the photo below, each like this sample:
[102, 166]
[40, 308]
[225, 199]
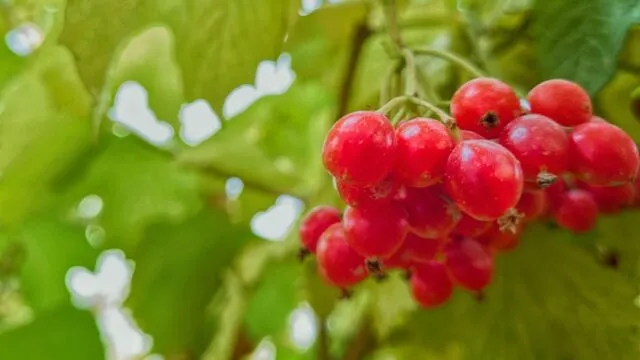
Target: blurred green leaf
[582, 44]
[274, 144]
[614, 102]
[63, 333]
[139, 185]
[178, 269]
[51, 247]
[550, 300]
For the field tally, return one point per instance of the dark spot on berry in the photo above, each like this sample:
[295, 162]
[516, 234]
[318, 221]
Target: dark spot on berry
[490, 120]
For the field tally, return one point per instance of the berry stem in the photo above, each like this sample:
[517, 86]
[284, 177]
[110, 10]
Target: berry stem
[447, 120]
[392, 23]
[399, 115]
[454, 58]
[410, 85]
[392, 104]
[387, 83]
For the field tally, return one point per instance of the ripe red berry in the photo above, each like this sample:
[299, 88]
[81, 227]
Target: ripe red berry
[469, 263]
[483, 178]
[602, 154]
[315, 223]
[470, 135]
[360, 148]
[414, 249]
[470, 227]
[499, 240]
[337, 261]
[422, 148]
[532, 204]
[541, 146]
[485, 105]
[576, 210]
[356, 195]
[375, 231]
[429, 213]
[431, 285]
[611, 199]
[563, 101]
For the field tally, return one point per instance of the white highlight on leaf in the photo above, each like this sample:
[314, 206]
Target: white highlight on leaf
[24, 39]
[265, 350]
[199, 122]
[89, 207]
[274, 223]
[131, 109]
[233, 188]
[303, 327]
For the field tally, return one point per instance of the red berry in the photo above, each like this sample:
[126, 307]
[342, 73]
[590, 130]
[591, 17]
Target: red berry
[485, 105]
[563, 101]
[422, 148]
[611, 199]
[532, 204]
[360, 148]
[483, 178]
[469, 263]
[470, 227]
[431, 285]
[470, 135]
[375, 231]
[337, 261]
[356, 195]
[315, 223]
[602, 154]
[576, 210]
[540, 144]
[499, 240]
[597, 119]
[429, 213]
[414, 249]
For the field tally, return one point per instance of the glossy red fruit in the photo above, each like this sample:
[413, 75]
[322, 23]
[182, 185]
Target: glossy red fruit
[356, 195]
[576, 210]
[337, 261]
[485, 105]
[360, 148]
[414, 249]
[483, 178]
[430, 284]
[532, 204]
[422, 148]
[499, 240]
[315, 223]
[612, 199]
[470, 227]
[429, 213]
[602, 154]
[564, 101]
[469, 263]
[539, 143]
[598, 119]
[470, 135]
[375, 231]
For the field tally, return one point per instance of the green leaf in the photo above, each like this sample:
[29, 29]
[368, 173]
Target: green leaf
[178, 269]
[149, 59]
[226, 40]
[582, 45]
[614, 102]
[51, 247]
[139, 185]
[274, 144]
[64, 333]
[546, 300]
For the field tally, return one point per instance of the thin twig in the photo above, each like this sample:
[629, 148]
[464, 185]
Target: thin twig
[454, 58]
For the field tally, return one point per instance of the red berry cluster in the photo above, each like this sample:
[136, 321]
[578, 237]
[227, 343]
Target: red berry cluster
[442, 203]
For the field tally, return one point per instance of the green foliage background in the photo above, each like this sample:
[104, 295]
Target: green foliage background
[204, 286]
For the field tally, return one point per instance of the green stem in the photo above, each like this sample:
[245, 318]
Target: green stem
[392, 23]
[410, 87]
[387, 83]
[454, 58]
[399, 115]
[447, 120]
[392, 104]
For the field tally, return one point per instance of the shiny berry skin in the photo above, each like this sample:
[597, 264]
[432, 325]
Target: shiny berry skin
[430, 284]
[564, 101]
[470, 135]
[532, 204]
[315, 223]
[429, 213]
[469, 263]
[602, 154]
[414, 249]
[355, 143]
[470, 227]
[483, 178]
[499, 240]
[337, 261]
[612, 199]
[356, 195]
[422, 148]
[539, 143]
[375, 231]
[485, 106]
[576, 210]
